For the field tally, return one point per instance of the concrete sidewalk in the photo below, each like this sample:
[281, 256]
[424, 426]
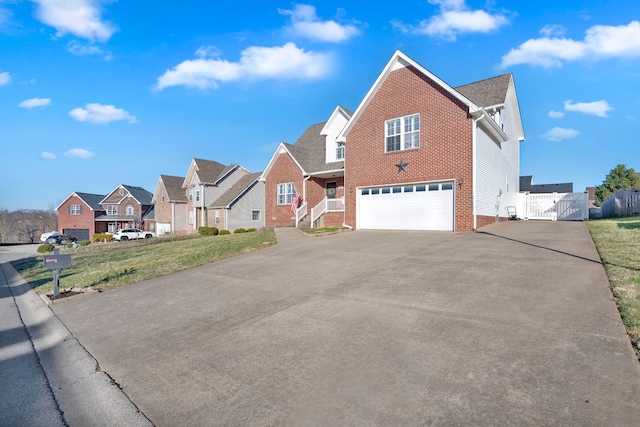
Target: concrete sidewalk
[46, 377]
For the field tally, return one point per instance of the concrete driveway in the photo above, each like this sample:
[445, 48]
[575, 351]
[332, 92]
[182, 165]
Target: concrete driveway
[514, 325]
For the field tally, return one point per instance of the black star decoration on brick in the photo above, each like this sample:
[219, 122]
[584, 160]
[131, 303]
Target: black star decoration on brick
[402, 166]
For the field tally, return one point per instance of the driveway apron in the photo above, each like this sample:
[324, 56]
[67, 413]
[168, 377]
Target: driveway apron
[512, 325]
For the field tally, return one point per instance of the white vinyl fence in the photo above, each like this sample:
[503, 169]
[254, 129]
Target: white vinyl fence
[554, 206]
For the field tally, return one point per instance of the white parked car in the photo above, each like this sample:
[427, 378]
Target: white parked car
[45, 236]
[132, 234]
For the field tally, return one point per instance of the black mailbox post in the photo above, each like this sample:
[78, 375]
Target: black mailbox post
[56, 262]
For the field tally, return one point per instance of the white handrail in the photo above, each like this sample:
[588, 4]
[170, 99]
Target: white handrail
[301, 212]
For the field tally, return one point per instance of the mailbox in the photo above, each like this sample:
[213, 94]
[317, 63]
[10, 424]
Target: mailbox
[57, 261]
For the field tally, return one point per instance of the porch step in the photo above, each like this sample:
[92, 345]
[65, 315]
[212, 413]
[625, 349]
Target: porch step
[305, 223]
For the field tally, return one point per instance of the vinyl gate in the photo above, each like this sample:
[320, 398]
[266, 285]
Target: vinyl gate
[557, 206]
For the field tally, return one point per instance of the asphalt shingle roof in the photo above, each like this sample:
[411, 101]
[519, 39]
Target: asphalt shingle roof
[309, 151]
[210, 171]
[93, 200]
[141, 195]
[488, 92]
[173, 187]
[232, 193]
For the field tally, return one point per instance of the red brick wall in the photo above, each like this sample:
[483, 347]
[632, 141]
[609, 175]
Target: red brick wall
[162, 208]
[83, 221]
[283, 170]
[445, 142]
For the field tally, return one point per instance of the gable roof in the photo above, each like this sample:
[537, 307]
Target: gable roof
[210, 171]
[483, 91]
[236, 191]
[173, 187]
[91, 200]
[141, 195]
[309, 151]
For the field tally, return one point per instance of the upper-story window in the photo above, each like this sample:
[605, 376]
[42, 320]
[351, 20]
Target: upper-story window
[121, 192]
[75, 210]
[163, 195]
[285, 193]
[402, 133]
[129, 210]
[340, 152]
[197, 195]
[112, 209]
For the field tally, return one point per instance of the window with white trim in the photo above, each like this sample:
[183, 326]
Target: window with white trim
[75, 210]
[256, 215]
[129, 210]
[197, 195]
[191, 217]
[285, 193]
[112, 210]
[163, 195]
[340, 152]
[402, 133]
[217, 216]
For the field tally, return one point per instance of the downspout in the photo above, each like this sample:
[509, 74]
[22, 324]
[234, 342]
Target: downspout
[474, 173]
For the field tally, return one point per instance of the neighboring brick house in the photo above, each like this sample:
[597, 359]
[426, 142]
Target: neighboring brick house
[241, 206]
[77, 215]
[170, 205]
[418, 155]
[204, 183]
[126, 206]
[313, 167]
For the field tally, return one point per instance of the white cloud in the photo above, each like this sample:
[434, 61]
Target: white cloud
[208, 52]
[79, 153]
[5, 78]
[81, 50]
[82, 18]
[47, 155]
[35, 102]
[305, 23]
[558, 134]
[553, 30]
[556, 114]
[256, 63]
[596, 108]
[600, 42]
[455, 18]
[99, 113]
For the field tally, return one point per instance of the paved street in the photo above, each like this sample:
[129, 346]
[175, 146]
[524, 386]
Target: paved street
[46, 377]
[513, 325]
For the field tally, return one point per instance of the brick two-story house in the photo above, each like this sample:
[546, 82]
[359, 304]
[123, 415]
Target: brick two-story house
[126, 206]
[77, 215]
[418, 155]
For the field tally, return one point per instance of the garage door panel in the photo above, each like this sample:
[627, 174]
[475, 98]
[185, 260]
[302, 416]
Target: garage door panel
[408, 209]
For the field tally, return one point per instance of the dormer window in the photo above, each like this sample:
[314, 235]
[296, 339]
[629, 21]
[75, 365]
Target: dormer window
[402, 133]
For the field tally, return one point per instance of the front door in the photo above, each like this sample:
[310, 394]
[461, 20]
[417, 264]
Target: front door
[331, 190]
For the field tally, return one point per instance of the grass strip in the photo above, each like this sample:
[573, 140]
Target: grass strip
[103, 266]
[618, 243]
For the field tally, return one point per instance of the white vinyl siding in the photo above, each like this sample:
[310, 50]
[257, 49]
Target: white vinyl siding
[240, 214]
[497, 169]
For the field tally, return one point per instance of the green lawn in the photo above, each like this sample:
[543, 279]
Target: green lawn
[618, 243]
[107, 265]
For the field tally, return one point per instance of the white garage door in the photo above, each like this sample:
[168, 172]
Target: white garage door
[408, 207]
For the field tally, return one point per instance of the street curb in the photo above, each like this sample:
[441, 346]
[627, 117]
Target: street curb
[85, 394]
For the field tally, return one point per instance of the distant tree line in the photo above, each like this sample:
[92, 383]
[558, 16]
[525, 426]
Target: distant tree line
[26, 225]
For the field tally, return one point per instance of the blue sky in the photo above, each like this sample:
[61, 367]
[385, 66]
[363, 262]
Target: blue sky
[94, 93]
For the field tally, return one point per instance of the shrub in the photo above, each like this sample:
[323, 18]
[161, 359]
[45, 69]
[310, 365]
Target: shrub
[207, 231]
[86, 242]
[251, 230]
[70, 245]
[223, 232]
[99, 237]
[47, 247]
[239, 230]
